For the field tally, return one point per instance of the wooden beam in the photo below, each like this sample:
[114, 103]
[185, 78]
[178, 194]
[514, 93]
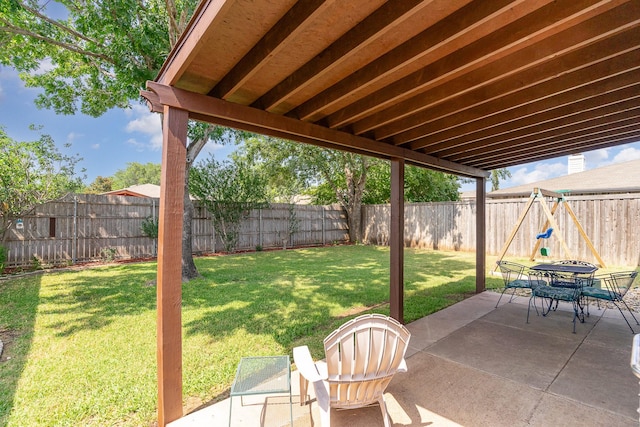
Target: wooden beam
[367, 32]
[584, 235]
[485, 103]
[561, 150]
[554, 224]
[544, 228]
[396, 244]
[562, 126]
[213, 109]
[514, 230]
[209, 14]
[472, 21]
[496, 56]
[481, 236]
[580, 140]
[169, 280]
[288, 27]
[472, 134]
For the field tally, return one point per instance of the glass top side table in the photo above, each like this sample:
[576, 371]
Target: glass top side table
[262, 375]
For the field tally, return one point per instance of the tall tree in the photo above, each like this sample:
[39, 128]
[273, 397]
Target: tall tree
[32, 173]
[339, 175]
[100, 185]
[497, 175]
[229, 191]
[136, 174]
[420, 185]
[97, 56]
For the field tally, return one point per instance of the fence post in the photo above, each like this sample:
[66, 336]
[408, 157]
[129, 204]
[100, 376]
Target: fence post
[74, 244]
[260, 226]
[324, 240]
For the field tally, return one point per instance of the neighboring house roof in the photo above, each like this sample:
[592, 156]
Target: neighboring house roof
[143, 190]
[615, 178]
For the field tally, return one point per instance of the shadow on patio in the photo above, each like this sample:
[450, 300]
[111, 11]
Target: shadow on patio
[474, 365]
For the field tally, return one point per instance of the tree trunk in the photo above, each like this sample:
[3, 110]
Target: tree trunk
[189, 270]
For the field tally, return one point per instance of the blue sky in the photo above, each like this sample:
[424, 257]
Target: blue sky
[109, 142]
[106, 143]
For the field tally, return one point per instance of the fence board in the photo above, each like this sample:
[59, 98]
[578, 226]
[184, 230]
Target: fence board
[609, 221]
[106, 222]
[113, 223]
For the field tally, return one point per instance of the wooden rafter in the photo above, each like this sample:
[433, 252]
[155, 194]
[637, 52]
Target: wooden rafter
[211, 109]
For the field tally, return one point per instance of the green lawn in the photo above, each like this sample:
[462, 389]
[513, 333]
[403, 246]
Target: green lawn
[80, 345]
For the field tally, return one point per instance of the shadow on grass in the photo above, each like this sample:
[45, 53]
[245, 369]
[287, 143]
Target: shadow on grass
[299, 297]
[92, 298]
[19, 299]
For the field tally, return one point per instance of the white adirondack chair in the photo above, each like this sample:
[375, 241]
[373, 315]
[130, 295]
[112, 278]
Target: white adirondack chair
[361, 358]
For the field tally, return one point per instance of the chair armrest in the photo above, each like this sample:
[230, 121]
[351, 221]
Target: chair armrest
[304, 363]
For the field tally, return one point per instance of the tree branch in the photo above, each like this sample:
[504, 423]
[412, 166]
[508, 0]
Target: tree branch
[72, 48]
[57, 24]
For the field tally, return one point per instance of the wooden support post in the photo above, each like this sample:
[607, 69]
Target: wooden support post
[396, 264]
[584, 235]
[169, 280]
[481, 245]
[505, 247]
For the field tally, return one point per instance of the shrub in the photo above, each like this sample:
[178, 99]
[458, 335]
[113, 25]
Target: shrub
[4, 252]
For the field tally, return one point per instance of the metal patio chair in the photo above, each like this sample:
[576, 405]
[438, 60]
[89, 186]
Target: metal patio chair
[516, 276]
[616, 286]
[559, 287]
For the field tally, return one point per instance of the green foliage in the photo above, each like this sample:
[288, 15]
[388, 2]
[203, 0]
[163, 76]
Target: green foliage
[149, 227]
[229, 191]
[293, 168]
[497, 175]
[95, 58]
[36, 263]
[100, 185]
[108, 254]
[137, 174]
[4, 253]
[32, 173]
[420, 185]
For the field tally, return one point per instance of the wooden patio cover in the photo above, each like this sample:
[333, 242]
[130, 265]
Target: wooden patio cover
[461, 86]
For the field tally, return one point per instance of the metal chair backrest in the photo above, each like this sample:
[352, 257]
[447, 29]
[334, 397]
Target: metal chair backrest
[510, 271]
[618, 284]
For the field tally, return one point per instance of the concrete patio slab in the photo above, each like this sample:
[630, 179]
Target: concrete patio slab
[472, 364]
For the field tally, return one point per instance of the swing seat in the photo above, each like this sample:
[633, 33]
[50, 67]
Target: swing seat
[545, 251]
[545, 235]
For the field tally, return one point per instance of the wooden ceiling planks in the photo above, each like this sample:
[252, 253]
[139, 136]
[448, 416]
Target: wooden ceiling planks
[473, 83]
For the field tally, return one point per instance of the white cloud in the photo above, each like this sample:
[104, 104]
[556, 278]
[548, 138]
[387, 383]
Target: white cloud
[597, 158]
[627, 154]
[95, 146]
[540, 172]
[45, 66]
[139, 146]
[145, 122]
[73, 136]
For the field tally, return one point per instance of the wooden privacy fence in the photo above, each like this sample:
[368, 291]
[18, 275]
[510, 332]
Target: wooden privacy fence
[611, 222]
[86, 227]
[79, 228]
